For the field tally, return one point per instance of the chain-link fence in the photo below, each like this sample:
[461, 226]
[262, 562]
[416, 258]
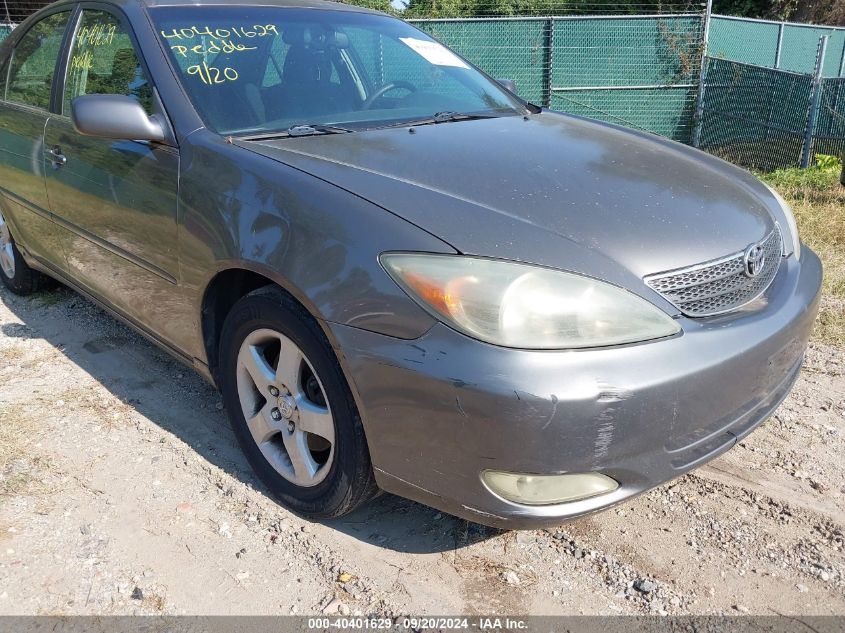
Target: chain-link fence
[829, 133]
[754, 116]
[768, 117]
[641, 71]
[13, 12]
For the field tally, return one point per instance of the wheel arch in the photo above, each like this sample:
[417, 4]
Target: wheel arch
[228, 285]
[233, 282]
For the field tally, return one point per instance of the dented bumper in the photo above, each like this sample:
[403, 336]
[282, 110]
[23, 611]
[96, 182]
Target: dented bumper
[440, 409]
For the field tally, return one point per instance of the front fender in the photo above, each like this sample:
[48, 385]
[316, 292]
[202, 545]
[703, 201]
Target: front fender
[241, 210]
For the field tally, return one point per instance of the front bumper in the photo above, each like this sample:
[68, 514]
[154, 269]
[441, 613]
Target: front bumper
[440, 409]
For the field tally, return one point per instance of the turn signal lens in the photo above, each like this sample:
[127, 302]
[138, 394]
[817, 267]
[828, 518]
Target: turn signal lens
[537, 490]
[791, 227]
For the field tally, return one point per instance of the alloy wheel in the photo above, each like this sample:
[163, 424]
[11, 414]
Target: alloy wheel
[285, 407]
[7, 253]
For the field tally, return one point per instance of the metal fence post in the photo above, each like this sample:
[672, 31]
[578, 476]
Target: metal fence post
[549, 52]
[702, 75]
[815, 98]
[779, 49]
[842, 62]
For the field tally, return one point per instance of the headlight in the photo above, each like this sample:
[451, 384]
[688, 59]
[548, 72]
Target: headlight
[524, 306]
[792, 227]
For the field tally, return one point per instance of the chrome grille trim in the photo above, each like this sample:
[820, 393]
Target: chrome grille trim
[719, 285]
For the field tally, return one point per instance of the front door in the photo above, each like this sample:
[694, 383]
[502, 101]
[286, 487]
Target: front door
[26, 82]
[116, 198]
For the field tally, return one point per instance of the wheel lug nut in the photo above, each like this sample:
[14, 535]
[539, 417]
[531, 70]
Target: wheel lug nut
[274, 392]
[291, 426]
[276, 414]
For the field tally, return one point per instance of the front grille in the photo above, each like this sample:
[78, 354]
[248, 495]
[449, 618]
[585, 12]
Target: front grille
[720, 285]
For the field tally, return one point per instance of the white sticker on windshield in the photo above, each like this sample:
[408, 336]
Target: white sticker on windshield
[435, 53]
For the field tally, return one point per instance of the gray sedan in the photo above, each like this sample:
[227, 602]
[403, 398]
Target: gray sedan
[401, 276]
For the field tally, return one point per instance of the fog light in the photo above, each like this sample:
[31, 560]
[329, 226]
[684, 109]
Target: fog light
[539, 490]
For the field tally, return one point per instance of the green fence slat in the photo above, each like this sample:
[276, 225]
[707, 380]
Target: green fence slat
[668, 112]
[741, 41]
[756, 41]
[625, 52]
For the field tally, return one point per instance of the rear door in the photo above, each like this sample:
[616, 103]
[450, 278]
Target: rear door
[116, 198]
[26, 82]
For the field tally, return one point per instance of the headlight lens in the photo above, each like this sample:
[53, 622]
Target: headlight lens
[792, 227]
[524, 306]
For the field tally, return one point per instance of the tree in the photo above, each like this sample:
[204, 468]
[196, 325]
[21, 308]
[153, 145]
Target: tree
[830, 12]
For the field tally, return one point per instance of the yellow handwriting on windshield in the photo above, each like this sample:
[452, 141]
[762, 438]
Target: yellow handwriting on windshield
[202, 41]
[211, 48]
[211, 75]
[220, 33]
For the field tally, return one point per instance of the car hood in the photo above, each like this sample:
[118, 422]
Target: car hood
[550, 189]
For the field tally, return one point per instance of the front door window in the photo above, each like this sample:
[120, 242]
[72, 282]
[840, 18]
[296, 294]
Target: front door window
[103, 61]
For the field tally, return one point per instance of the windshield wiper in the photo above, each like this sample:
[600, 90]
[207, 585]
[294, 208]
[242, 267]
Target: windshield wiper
[303, 129]
[444, 117]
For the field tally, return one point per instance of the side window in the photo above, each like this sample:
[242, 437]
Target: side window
[34, 61]
[103, 61]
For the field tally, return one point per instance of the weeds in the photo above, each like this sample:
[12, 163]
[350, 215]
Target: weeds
[818, 200]
[18, 466]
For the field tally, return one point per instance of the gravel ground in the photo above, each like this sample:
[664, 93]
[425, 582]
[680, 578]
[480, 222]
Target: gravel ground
[122, 492]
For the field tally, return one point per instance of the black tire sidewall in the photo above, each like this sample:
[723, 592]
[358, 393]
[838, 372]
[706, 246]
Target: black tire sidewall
[271, 310]
[23, 281]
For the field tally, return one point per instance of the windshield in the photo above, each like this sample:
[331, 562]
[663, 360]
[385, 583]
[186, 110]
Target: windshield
[256, 70]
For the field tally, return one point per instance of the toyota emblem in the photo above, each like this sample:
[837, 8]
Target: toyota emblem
[754, 260]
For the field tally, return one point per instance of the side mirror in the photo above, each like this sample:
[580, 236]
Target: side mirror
[115, 117]
[507, 84]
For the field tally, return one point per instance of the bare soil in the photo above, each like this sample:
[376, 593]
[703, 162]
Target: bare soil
[122, 492]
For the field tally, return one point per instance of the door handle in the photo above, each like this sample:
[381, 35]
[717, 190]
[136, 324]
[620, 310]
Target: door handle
[55, 156]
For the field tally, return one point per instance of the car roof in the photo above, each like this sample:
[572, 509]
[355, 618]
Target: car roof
[290, 4]
[293, 4]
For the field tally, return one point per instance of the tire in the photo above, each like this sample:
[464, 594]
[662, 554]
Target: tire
[15, 273]
[343, 479]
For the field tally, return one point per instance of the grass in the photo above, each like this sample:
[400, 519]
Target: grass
[818, 201]
[18, 466]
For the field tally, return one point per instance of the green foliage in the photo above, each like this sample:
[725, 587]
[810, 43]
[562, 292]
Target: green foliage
[821, 177]
[823, 161]
[830, 12]
[378, 5]
[764, 9]
[507, 8]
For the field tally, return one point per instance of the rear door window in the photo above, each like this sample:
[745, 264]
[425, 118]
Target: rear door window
[34, 60]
